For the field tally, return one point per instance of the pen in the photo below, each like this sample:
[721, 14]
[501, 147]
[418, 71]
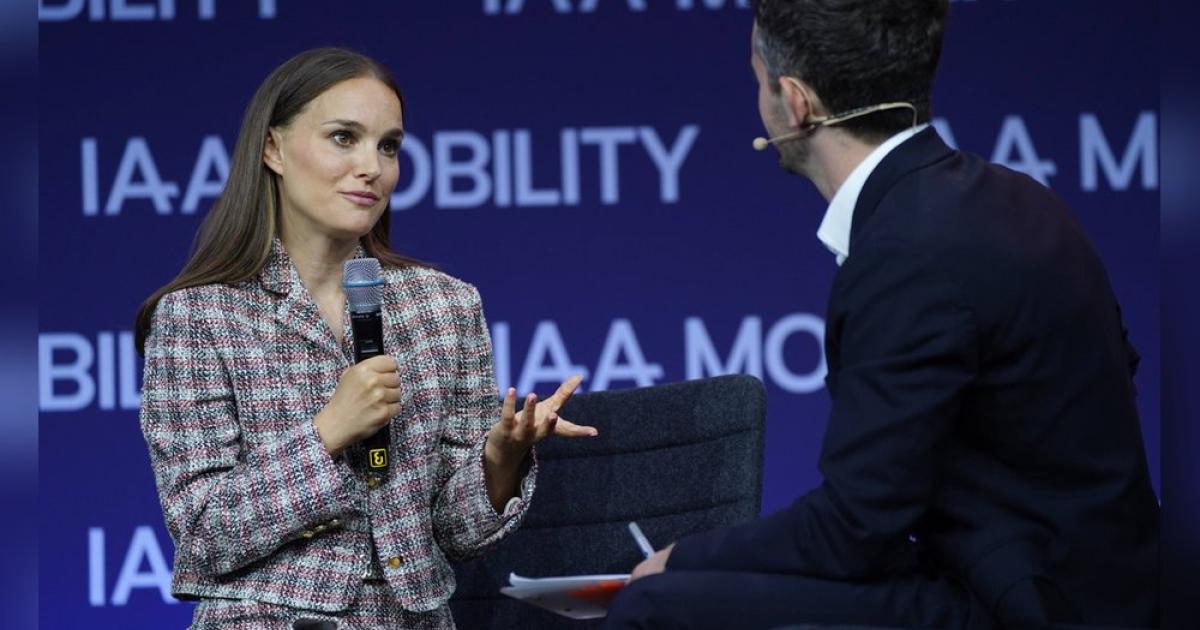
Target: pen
[638, 536]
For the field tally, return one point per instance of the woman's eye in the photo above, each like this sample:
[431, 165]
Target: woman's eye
[389, 147]
[344, 138]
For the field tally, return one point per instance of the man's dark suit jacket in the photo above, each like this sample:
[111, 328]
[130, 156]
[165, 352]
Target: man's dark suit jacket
[983, 421]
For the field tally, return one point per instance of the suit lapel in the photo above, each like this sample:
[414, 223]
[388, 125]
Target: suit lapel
[918, 152]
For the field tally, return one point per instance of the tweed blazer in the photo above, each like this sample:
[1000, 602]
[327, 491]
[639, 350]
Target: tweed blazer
[257, 509]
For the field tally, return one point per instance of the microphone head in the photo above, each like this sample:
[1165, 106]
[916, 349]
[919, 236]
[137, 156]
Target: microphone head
[363, 284]
[761, 143]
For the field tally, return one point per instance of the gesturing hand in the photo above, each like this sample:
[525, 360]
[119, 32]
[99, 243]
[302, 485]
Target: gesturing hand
[511, 438]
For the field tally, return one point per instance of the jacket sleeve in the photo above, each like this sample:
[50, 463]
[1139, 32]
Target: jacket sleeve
[906, 349]
[227, 502]
[464, 522]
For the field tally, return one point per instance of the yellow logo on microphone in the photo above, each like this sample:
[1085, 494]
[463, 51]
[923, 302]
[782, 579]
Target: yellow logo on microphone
[378, 457]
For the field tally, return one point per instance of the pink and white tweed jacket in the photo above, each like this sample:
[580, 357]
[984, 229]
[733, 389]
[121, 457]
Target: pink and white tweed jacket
[256, 507]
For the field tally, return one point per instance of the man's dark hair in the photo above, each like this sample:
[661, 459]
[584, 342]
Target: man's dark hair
[856, 53]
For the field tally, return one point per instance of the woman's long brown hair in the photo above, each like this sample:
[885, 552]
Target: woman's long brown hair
[235, 238]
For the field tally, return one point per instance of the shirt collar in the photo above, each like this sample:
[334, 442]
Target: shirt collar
[835, 227]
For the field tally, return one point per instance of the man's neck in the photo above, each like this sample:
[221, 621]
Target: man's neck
[835, 154]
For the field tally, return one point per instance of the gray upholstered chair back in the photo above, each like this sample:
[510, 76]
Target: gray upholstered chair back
[678, 459]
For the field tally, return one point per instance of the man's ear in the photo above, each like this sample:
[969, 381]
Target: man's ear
[272, 155]
[802, 102]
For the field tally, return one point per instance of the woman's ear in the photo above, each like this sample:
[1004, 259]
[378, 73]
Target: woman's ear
[272, 154]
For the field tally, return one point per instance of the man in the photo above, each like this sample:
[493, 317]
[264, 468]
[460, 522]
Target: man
[983, 464]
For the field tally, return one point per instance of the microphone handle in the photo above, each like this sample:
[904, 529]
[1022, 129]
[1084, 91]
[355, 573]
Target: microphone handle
[368, 342]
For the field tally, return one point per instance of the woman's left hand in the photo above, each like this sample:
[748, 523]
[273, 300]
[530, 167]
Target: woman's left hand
[511, 438]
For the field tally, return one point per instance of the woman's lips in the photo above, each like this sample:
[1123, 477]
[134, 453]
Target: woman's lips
[362, 199]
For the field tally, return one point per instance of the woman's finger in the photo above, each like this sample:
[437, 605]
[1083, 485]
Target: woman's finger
[526, 420]
[566, 428]
[564, 392]
[508, 411]
[382, 363]
[529, 411]
[546, 428]
[390, 379]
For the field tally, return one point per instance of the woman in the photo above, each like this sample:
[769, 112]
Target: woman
[253, 412]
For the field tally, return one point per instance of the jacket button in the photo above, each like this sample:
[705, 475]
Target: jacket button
[308, 533]
[394, 562]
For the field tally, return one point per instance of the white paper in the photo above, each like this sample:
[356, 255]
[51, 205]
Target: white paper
[574, 596]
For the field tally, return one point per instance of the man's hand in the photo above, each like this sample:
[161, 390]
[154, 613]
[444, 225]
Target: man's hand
[656, 563]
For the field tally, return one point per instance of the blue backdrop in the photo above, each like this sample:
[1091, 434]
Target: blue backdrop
[586, 163]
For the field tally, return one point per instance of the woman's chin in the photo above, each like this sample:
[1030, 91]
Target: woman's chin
[347, 232]
[356, 228]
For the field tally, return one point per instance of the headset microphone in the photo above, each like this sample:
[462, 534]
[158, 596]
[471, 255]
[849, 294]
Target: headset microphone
[761, 143]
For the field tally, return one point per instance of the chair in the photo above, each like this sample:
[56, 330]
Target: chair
[678, 459]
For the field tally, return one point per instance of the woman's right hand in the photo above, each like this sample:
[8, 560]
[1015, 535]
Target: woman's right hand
[366, 398]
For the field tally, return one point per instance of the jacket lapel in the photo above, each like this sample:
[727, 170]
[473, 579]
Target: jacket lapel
[295, 310]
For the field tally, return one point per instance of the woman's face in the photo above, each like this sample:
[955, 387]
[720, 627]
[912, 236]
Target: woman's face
[337, 160]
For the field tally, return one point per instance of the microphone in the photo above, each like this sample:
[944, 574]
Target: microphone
[761, 143]
[364, 293]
